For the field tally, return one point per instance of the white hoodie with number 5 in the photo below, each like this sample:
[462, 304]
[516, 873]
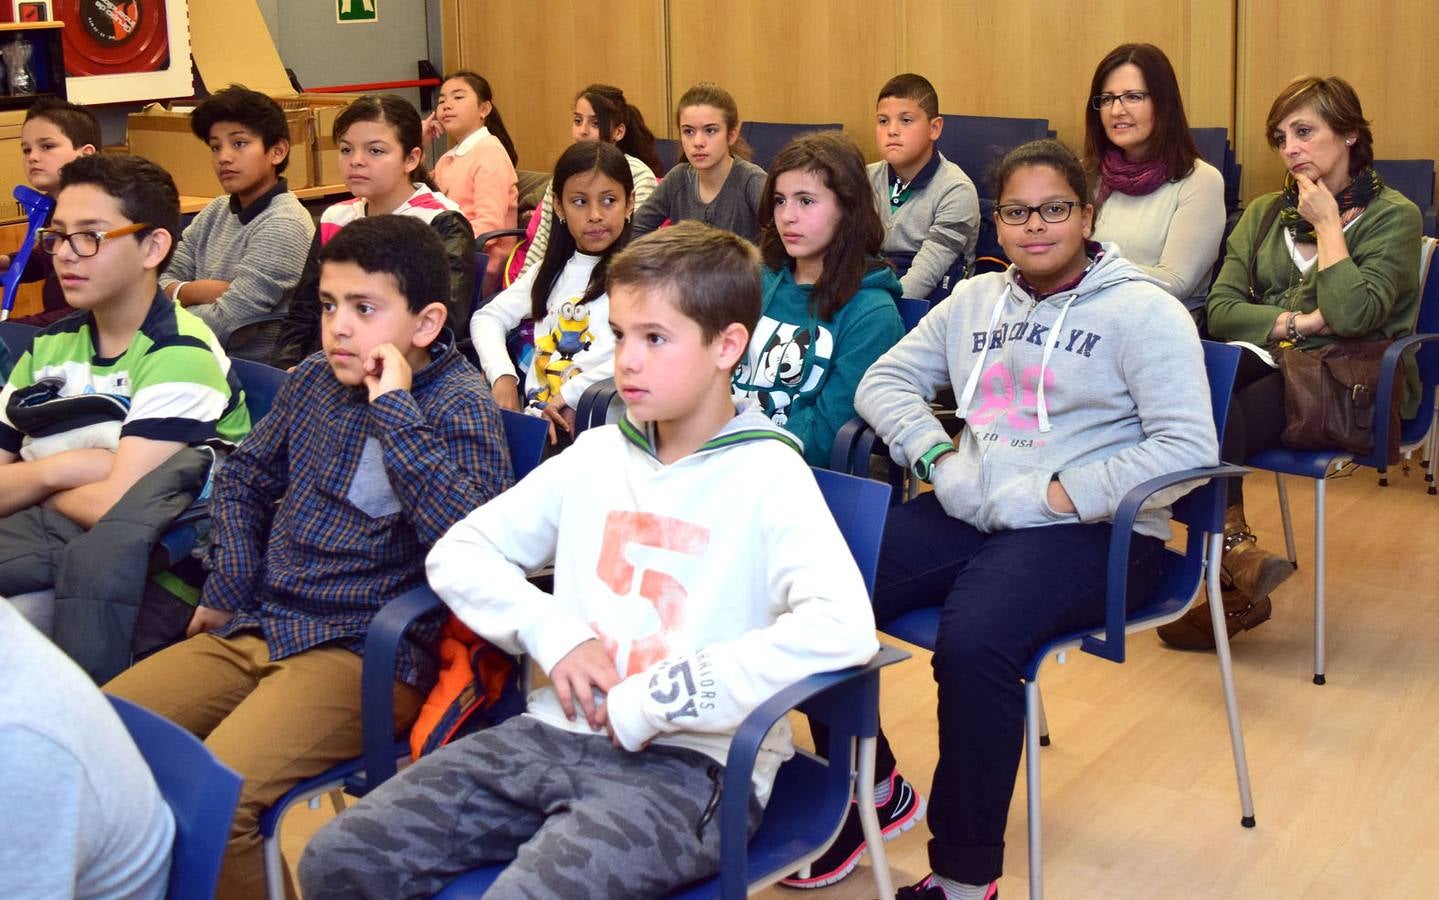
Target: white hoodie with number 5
[713, 582]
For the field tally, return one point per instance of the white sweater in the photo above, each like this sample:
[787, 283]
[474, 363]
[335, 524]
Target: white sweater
[712, 589]
[1171, 234]
[496, 319]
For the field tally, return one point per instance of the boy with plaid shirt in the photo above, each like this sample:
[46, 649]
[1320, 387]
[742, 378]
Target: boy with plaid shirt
[370, 453]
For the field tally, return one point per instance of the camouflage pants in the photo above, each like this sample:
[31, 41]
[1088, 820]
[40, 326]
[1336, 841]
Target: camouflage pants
[573, 816]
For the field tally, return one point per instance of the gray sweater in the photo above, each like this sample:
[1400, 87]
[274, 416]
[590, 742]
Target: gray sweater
[937, 223]
[260, 250]
[735, 208]
[1103, 385]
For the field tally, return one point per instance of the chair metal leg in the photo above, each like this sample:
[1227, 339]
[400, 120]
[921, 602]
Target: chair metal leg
[1432, 449]
[1031, 780]
[274, 867]
[1226, 679]
[1288, 525]
[1319, 581]
[1043, 721]
[869, 819]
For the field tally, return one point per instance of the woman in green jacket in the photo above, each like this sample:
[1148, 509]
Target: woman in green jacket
[1339, 261]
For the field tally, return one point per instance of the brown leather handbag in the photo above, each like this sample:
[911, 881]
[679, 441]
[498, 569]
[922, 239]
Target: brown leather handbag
[1330, 392]
[1331, 395]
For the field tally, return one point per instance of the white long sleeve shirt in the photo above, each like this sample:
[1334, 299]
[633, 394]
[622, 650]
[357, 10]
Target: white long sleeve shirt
[496, 319]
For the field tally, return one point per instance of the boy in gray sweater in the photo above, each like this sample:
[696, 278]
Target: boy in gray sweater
[243, 251]
[929, 206]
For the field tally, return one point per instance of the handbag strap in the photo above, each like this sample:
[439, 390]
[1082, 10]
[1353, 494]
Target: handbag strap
[1265, 224]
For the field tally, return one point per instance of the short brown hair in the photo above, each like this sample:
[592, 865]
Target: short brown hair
[713, 275]
[75, 122]
[915, 88]
[1337, 104]
[1171, 142]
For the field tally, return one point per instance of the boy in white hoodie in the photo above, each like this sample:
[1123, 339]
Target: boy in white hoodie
[697, 577]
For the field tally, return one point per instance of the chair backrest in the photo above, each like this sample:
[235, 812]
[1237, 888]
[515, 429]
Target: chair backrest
[976, 143]
[668, 150]
[767, 139]
[200, 790]
[261, 383]
[911, 311]
[16, 337]
[1427, 322]
[600, 404]
[526, 437]
[1213, 144]
[1203, 507]
[859, 507]
[1414, 178]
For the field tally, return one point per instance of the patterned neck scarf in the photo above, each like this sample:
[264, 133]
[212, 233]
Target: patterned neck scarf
[1357, 194]
[1133, 178]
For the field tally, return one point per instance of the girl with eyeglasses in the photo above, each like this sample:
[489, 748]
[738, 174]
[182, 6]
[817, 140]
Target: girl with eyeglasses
[1068, 401]
[1333, 256]
[1161, 203]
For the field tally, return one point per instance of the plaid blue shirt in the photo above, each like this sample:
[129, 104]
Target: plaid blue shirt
[364, 490]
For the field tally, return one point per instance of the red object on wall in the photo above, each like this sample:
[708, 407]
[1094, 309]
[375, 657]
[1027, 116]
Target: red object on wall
[109, 37]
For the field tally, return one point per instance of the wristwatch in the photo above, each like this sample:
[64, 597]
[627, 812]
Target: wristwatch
[923, 467]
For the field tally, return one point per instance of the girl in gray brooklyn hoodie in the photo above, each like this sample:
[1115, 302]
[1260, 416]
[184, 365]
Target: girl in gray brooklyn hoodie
[1078, 377]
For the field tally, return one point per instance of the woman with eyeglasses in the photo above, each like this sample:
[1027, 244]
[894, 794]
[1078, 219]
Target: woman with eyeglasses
[1068, 399]
[1332, 256]
[1161, 203]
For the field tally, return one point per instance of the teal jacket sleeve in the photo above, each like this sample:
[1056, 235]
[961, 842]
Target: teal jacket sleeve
[864, 335]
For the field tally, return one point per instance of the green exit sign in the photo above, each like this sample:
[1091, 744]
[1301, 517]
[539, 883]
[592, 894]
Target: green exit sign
[357, 10]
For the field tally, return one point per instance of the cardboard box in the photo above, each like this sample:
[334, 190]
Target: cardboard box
[164, 137]
[12, 163]
[232, 45]
[324, 108]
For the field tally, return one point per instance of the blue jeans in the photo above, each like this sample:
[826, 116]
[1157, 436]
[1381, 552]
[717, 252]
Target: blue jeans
[1003, 595]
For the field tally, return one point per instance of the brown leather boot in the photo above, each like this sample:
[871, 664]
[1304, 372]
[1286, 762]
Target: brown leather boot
[1253, 572]
[1245, 572]
[1193, 631]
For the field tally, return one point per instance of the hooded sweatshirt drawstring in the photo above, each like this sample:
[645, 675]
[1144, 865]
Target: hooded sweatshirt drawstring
[1055, 332]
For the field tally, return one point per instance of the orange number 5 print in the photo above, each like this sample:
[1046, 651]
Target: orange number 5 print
[626, 530]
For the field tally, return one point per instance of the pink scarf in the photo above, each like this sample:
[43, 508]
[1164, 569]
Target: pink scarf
[1133, 178]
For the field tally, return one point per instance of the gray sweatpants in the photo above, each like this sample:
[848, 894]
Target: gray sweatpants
[573, 815]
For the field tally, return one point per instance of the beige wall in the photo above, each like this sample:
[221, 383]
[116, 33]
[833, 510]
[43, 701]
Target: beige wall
[824, 60]
[1383, 49]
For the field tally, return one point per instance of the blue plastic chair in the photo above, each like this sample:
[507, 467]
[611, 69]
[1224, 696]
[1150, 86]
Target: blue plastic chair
[16, 337]
[976, 143]
[810, 797]
[200, 790]
[261, 383]
[668, 150]
[1184, 575]
[767, 139]
[1413, 433]
[1414, 178]
[526, 437]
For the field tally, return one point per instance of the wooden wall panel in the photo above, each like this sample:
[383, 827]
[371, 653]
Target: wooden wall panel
[791, 61]
[1382, 50]
[1035, 59]
[536, 55]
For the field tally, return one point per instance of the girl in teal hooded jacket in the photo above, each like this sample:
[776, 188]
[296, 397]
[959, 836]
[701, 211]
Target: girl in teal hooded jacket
[829, 301]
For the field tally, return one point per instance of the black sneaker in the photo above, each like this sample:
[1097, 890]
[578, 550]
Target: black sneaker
[901, 813]
[926, 889]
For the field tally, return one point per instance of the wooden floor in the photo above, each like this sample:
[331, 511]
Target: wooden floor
[1139, 790]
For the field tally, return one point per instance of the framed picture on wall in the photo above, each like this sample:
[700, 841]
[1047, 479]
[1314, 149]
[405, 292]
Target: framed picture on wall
[347, 11]
[126, 50]
[30, 10]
